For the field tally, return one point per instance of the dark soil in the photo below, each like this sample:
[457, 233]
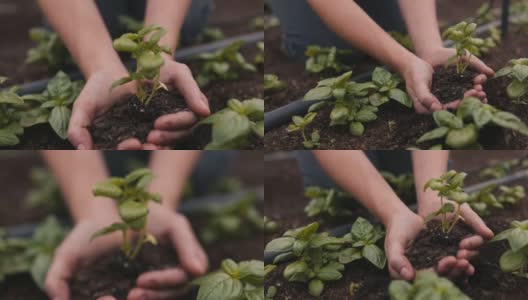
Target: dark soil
[449, 86]
[133, 119]
[432, 244]
[116, 275]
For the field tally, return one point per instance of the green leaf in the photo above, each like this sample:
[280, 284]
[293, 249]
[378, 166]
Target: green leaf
[339, 115]
[8, 138]
[60, 86]
[295, 271]
[137, 175]
[39, 269]
[482, 116]
[230, 267]
[361, 228]
[520, 72]
[378, 99]
[319, 93]
[107, 189]
[110, 229]
[131, 210]
[400, 96]
[281, 244]
[445, 118]
[10, 98]
[348, 255]
[356, 128]
[468, 106]
[220, 286]
[315, 287]
[400, 290]
[381, 76]
[434, 134]
[509, 120]
[375, 255]
[33, 117]
[329, 273]
[503, 72]
[462, 138]
[59, 120]
[502, 236]
[517, 239]
[121, 82]
[365, 115]
[230, 127]
[516, 89]
[145, 181]
[512, 261]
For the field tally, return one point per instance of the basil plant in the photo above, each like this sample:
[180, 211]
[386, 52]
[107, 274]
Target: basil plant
[10, 106]
[465, 44]
[426, 285]
[515, 259]
[49, 50]
[325, 203]
[321, 59]
[272, 83]
[517, 72]
[233, 126]
[300, 124]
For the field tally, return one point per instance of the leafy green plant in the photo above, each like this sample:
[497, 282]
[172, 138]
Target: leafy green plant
[515, 259]
[321, 59]
[240, 219]
[45, 192]
[130, 24]
[426, 285]
[272, 83]
[403, 185]
[264, 22]
[490, 42]
[465, 44]
[511, 195]
[49, 49]
[326, 203]
[31, 255]
[210, 34]
[240, 281]
[300, 124]
[10, 105]
[386, 87]
[234, 125]
[517, 71]
[148, 56]
[361, 241]
[259, 58]
[270, 226]
[132, 199]
[223, 64]
[54, 105]
[450, 186]
[499, 170]
[484, 200]
[461, 135]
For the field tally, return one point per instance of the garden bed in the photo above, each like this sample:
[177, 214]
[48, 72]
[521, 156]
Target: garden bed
[284, 190]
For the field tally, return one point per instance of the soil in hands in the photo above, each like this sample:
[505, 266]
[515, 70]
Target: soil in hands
[116, 275]
[449, 86]
[133, 119]
[432, 244]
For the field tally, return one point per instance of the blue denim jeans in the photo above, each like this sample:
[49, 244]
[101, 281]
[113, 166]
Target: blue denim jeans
[302, 27]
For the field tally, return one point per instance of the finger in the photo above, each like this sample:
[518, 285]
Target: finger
[471, 93]
[427, 99]
[399, 265]
[481, 95]
[146, 294]
[445, 265]
[452, 105]
[106, 298]
[150, 147]
[189, 250]
[466, 254]
[61, 269]
[167, 138]
[185, 83]
[470, 271]
[80, 119]
[473, 220]
[162, 279]
[419, 108]
[480, 79]
[472, 243]
[478, 87]
[181, 120]
[129, 144]
[481, 67]
[460, 268]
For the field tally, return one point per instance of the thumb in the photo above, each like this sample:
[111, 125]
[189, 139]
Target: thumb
[183, 80]
[474, 220]
[81, 118]
[426, 98]
[60, 271]
[190, 252]
[481, 67]
[399, 265]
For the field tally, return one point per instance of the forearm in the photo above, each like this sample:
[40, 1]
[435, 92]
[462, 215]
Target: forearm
[77, 173]
[171, 171]
[428, 164]
[169, 15]
[84, 33]
[351, 23]
[353, 171]
[422, 25]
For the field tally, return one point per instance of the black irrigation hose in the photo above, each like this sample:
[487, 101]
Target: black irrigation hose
[505, 22]
[189, 207]
[269, 256]
[182, 54]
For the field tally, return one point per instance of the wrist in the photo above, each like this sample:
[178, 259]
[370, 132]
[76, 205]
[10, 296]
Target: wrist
[111, 65]
[99, 211]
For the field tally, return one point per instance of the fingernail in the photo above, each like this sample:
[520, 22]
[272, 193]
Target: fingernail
[81, 147]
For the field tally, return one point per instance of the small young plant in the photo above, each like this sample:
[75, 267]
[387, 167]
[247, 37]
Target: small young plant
[490, 42]
[461, 135]
[49, 50]
[484, 200]
[224, 64]
[517, 72]
[465, 44]
[499, 170]
[10, 106]
[511, 195]
[403, 185]
[300, 124]
[240, 281]
[326, 203]
[54, 105]
[361, 243]
[259, 58]
[31, 255]
[233, 126]
[45, 192]
[210, 34]
[450, 186]
[426, 285]
[148, 55]
[240, 219]
[515, 259]
[321, 59]
[132, 199]
[386, 88]
[264, 22]
[272, 83]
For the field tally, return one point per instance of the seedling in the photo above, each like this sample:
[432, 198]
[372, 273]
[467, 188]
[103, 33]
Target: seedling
[132, 199]
[386, 88]
[210, 34]
[240, 219]
[224, 64]
[45, 192]
[485, 13]
[31, 255]
[484, 200]
[490, 42]
[259, 58]
[148, 56]
[272, 83]
[464, 43]
[326, 203]
[321, 59]
[449, 187]
[361, 243]
[403, 185]
[499, 170]
[300, 124]
[461, 135]
[515, 259]
[517, 71]
[240, 281]
[511, 195]
[54, 105]
[264, 22]
[426, 284]
[234, 125]
[49, 49]
[10, 105]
